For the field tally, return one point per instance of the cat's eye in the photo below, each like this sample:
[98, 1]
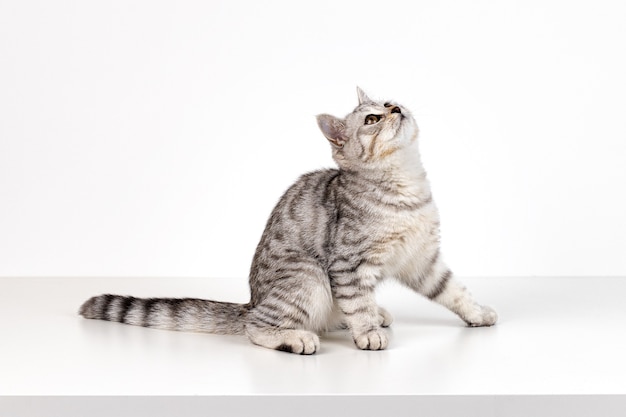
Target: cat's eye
[371, 119]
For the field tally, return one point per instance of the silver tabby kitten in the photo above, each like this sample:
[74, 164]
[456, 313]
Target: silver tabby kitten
[332, 237]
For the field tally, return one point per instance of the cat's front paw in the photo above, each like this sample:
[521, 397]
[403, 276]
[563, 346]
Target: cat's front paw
[375, 339]
[483, 316]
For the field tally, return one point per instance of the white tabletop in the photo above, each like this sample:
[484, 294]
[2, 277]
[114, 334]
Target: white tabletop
[555, 336]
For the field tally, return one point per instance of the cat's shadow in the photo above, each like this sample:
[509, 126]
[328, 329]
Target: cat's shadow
[416, 321]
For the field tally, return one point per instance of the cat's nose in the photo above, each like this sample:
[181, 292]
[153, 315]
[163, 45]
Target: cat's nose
[396, 109]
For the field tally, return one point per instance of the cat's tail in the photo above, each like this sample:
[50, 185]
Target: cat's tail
[185, 314]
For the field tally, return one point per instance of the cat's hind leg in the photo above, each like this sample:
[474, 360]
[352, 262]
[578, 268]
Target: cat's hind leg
[290, 314]
[385, 317]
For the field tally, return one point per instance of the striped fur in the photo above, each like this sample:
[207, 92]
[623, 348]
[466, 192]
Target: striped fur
[185, 314]
[333, 236]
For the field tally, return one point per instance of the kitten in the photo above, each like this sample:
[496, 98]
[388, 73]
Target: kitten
[332, 237]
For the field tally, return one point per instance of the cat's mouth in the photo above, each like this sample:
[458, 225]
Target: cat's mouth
[405, 128]
[401, 120]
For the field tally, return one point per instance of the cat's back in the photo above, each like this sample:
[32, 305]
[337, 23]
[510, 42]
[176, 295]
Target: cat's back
[299, 223]
[312, 190]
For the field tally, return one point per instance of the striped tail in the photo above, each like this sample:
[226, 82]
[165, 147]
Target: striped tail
[184, 314]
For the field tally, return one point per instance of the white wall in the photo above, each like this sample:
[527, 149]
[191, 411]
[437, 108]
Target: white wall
[153, 138]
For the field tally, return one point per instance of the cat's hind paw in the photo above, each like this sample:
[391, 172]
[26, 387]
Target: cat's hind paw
[385, 318]
[300, 342]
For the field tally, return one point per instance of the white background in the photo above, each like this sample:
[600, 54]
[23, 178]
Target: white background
[152, 138]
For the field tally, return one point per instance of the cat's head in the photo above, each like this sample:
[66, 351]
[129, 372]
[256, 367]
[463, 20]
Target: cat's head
[372, 135]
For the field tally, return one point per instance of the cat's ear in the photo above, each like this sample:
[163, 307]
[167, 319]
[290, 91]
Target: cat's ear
[363, 98]
[333, 128]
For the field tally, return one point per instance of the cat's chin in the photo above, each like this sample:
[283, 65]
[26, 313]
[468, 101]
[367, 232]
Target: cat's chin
[407, 131]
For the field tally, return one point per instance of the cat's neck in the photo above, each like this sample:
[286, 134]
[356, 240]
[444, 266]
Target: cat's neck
[403, 174]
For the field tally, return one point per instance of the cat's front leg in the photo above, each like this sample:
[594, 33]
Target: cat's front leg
[354, 297]
[459, 300]
[436, 282]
